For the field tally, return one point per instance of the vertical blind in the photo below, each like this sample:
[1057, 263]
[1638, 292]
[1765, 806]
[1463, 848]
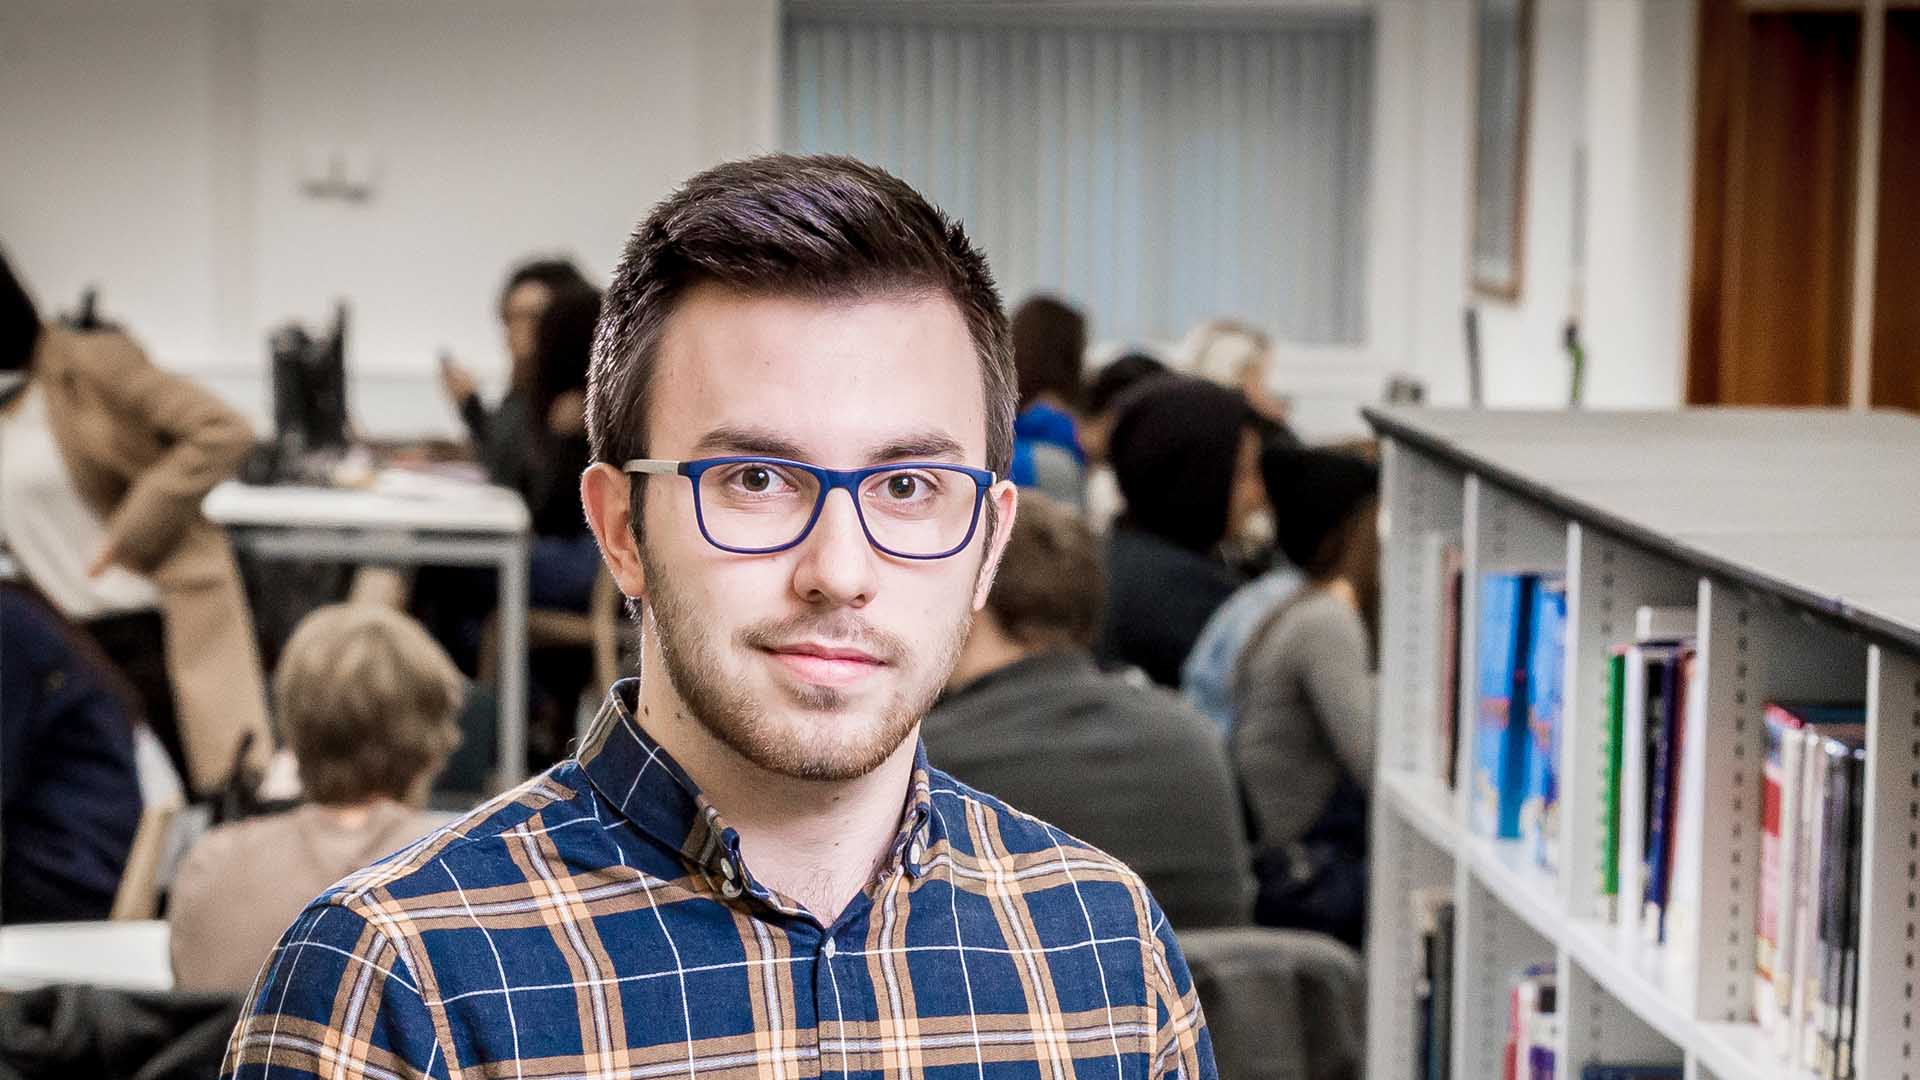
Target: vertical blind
[1155, 175]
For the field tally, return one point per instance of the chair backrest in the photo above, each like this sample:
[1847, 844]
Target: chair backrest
[1280, 1004]
[138, 896]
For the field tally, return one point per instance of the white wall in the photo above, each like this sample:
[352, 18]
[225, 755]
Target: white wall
[155, 149]
[1616, 75]
[170, 138]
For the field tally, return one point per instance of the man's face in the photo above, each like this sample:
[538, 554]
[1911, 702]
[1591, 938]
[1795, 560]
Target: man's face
[815, 662]
[520, 315]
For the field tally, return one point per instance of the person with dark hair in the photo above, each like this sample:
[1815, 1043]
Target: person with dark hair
[366, 701]
[71, 791]
[1302, 740]
[1026, 706]
[104, 461]
[1187, 459]
[1049, 344]
[1104, 391]
[801, 412]
[499, 434]
[565, 560]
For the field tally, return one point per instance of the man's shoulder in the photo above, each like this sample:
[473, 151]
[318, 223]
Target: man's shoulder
[982, 830]
[469, 851]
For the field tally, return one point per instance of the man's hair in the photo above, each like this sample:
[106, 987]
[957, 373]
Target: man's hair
[1049, 348]
[817, 228]
[19, 322]
[366, 700]
[1050, 588]
[555, 274]
[1103, 390]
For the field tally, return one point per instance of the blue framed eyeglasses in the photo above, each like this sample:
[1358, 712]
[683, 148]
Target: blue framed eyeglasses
[760, 505]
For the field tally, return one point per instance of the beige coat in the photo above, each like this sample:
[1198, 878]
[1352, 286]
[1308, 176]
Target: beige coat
[144, 447]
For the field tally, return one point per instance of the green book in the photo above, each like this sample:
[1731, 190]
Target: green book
[1616, 711]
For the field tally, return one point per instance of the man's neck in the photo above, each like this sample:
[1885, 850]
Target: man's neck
[818, 842]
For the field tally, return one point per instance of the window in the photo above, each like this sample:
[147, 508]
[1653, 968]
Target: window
[1157, 173]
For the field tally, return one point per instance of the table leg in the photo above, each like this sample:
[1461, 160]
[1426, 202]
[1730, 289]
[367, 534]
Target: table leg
[511, 760]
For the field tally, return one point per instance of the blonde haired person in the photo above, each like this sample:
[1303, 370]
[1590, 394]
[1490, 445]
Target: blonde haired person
[1233, 354]
[366, 701]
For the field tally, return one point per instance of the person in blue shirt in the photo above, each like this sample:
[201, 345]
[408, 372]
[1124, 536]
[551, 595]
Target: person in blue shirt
[1049, 341]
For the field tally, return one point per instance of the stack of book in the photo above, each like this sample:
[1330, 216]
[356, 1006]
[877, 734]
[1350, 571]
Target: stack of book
[1533, 1026]
[1651, 789]
[1806, 971]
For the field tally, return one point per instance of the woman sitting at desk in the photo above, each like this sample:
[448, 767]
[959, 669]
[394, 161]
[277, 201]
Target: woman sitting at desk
[104, 460]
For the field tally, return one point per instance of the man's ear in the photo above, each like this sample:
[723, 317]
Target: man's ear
[1005, 500]
[606, 495]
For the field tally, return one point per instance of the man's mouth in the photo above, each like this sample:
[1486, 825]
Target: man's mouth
[823, 664]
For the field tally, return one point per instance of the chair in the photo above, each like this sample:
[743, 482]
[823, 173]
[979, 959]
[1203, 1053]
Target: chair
[597, 630]
[1280, 1004]
[138, 896]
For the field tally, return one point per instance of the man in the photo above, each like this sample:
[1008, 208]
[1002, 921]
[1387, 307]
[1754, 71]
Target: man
[749, 870]
[1027, 708]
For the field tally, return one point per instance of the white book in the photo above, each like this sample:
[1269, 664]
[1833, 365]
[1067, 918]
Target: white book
[1689, 812]
[1774, 1000]
[1805, 991]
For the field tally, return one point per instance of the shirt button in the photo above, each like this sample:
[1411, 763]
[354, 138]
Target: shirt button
[828, 949]
[916, 853]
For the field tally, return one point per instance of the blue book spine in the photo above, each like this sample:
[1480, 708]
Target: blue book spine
[1546, 671]
[1665, 778]
[1500, 730]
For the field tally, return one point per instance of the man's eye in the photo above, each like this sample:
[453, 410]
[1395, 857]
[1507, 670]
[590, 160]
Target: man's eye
[904, 486]
[756, 479]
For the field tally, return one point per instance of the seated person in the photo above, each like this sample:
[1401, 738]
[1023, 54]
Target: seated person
[1026, 710]
[1049, 346]
[71, 792]
[1187, 456]
[366, 701]
[565, 561]
[1099, 405]
[1302, 740]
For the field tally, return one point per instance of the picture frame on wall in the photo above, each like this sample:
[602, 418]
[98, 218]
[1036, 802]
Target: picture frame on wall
[1503, 48]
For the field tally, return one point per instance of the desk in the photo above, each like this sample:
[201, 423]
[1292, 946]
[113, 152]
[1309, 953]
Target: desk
[409, 519]
[127, 955]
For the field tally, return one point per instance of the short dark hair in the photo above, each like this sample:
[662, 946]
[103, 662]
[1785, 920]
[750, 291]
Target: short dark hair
[19, 321]
[555, 274]
[817, 227]
[1050, 587]
[1049, 345]
[1116, 378]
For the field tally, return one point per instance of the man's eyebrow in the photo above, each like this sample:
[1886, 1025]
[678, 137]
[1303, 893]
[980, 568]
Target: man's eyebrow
[930, 446]
[735, 439]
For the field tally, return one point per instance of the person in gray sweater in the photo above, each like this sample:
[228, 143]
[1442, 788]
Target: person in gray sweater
[1114, 760]
[1302, 745]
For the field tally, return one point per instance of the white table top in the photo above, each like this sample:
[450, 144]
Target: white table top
[128, 955]
[410, 501]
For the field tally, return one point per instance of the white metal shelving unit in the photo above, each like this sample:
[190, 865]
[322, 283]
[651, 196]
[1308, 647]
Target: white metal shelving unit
[1796, 536]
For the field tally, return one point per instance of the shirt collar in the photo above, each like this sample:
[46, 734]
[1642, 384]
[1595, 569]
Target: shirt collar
[647, 787]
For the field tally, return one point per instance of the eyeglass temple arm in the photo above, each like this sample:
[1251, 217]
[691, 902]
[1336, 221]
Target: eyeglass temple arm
[651, 466]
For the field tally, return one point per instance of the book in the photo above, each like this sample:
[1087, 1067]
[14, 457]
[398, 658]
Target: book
[1531, 998]
[1778, 803]
[1431, 907]
[1500, 731]
[1597, 1071]
[1838, 868]
[1681, 911]
[1846, 1024]
[1642, 700]
[1452, 579]
[1610, 784]
[1664, 731]
[1546, 676]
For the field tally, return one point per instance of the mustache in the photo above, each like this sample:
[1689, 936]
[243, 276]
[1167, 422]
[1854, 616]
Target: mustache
[833, 628]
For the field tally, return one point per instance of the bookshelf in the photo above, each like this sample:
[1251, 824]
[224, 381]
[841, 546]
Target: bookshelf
[1796, 537]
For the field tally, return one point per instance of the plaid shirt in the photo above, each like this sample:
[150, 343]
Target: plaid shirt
[599, 922]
